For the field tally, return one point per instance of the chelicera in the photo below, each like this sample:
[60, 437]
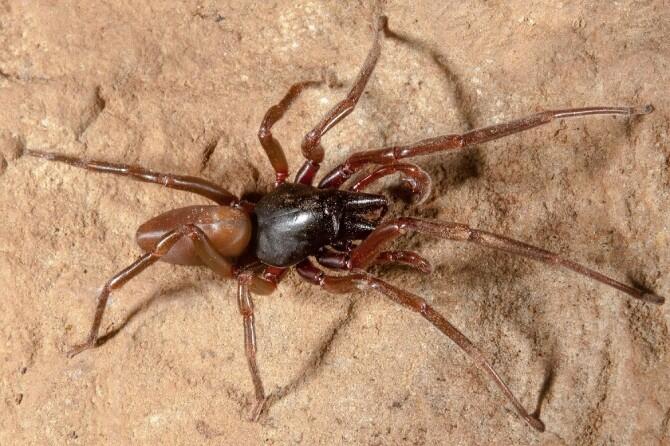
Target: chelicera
[321, 229]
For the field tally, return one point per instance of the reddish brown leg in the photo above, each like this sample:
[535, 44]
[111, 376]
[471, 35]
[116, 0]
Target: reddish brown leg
[118, 280]
[311, 144]
[407, 258]
[363, 281]
[186, 183]
[272, 147]
[388, 155]
[417, 179]
[246, 306]
[368, 250]
[248, 283]
[207, 253]
[342, 260]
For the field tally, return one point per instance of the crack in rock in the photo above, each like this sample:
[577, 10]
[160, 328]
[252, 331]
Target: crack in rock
[94, 111]
[207, 153]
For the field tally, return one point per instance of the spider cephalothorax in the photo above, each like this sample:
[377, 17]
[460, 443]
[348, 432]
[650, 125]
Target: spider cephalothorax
[295, 221]
[320, 229]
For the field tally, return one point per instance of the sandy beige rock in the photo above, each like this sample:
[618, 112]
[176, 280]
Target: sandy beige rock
[161, 83]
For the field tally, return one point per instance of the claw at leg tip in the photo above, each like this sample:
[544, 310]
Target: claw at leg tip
[72, 353]
[425, 267]
[654, 298]
[536, 423]
[644, 110]
[78, 349]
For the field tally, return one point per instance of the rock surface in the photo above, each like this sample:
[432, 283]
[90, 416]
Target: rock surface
[182, 87]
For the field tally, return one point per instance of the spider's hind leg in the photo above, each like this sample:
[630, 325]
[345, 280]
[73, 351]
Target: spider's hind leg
[202, 246]
[120, 279]
[342, 260]
[364, 281]
[366, 253]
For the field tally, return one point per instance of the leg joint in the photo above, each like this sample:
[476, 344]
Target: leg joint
[190, 230]
[264, 134]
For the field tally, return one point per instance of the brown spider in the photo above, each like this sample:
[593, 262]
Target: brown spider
[300, 225]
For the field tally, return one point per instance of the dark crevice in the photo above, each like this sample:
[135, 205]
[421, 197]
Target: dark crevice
[665, 423]
[208, 431]
[312, 368]
[207, 153]
[16, 147]
[95, 110]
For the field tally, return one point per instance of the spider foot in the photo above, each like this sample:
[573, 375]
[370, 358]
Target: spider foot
[653, 298]
[535, 423]
[80, 348]
[643, 110]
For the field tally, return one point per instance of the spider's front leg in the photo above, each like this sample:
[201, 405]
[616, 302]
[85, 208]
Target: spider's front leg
[311, 144]
[272, 147]
[417, 179]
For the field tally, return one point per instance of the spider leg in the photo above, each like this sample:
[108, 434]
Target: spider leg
[203, 247]
[246, 307]
[311, 144]
[120, 279]
[247, 283]
[342, 260]
[272, 147]
[418, 180]
[191, 184]
[389, 155]
[407, 258]
[365, 253]
[364, 281]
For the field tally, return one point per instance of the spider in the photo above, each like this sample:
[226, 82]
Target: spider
[323, 229]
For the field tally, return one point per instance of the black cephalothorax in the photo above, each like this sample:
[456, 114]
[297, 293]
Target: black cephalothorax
[296, 220]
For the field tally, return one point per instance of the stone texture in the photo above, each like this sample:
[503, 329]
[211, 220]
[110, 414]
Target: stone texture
[182, 86]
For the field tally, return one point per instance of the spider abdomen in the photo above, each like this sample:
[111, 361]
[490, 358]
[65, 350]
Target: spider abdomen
[228, 229]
